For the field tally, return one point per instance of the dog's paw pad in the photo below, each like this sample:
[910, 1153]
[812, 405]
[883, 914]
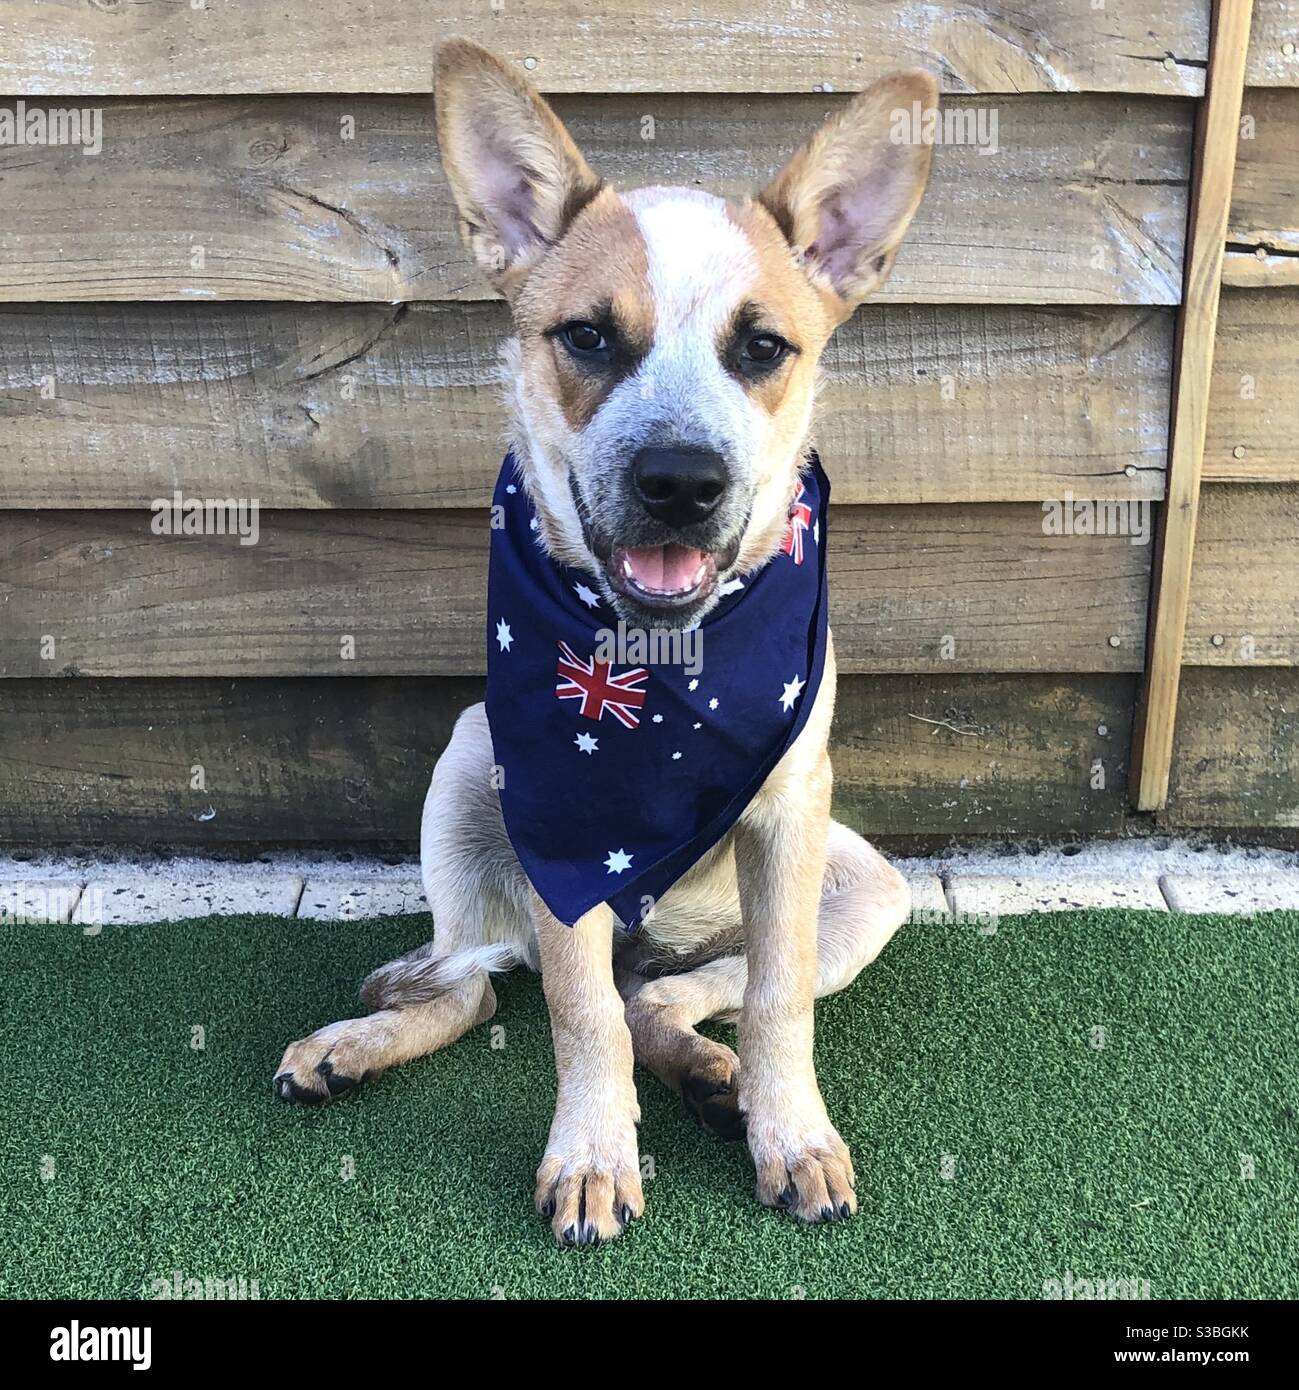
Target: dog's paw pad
[336, 1081]
[714, 1104]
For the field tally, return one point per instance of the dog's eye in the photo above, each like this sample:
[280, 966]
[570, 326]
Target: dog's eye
[583, 337]
[765, 348]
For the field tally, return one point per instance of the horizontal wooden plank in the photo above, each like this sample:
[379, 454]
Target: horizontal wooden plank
[1245, 580]
[114, 48]
[282, 760]
[1265, 192]
[349, 760]
[375, 406]
[1263, 231]
[965, 755]
[1259, 269]
[1274, 44]
[1253, 433]
[408, 588]
[1083, 202]
[1236, 752]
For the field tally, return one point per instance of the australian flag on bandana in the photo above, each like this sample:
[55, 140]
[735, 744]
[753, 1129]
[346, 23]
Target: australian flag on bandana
[617, 777]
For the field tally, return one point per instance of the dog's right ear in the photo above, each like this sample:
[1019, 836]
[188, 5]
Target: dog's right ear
[517, 176]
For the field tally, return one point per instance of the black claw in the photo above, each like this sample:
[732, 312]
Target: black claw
[569, 1236]
[625, 1214]
[788, 1197]
[845, 1211]
[827, 1213]
[288, 1090]
[548, 1208]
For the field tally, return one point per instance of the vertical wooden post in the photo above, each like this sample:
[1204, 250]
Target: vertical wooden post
[1214, 162]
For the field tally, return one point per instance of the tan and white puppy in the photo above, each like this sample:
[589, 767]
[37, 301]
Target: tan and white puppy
[661, 381]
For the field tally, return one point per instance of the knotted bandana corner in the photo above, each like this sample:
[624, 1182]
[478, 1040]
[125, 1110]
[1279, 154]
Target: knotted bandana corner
[617, 776]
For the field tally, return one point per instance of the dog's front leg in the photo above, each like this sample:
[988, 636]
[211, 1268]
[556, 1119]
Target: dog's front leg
[588, 1184]
[802, 1163]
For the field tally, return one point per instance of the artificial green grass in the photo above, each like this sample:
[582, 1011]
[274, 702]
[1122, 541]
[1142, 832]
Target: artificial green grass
[997, 1145]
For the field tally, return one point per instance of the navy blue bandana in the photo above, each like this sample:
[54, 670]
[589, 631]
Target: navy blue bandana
[621, 764]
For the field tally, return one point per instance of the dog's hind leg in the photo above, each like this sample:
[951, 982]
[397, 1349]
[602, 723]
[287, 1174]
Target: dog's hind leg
[436, 993]
[863, 902]
[341, 1055]
[421, 1002]
[661, 1016]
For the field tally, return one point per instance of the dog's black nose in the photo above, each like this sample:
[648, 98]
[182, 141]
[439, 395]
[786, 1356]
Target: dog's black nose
[679, 486]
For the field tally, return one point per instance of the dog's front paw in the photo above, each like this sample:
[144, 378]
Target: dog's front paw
[589, 1188]
[804, 1170]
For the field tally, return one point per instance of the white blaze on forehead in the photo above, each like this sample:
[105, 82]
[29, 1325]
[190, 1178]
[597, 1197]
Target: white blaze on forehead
[700, 269]
[701, 264]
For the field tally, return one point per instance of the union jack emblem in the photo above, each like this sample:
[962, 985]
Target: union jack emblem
[800, 518]
[594, 683]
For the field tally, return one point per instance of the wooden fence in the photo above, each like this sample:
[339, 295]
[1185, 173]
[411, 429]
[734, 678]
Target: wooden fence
[254, 289]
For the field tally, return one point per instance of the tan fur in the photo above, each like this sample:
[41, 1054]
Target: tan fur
[341, 1055]
[588, 1183]
[798, 310]
[599, 262]
[791, 306]
[791, 905]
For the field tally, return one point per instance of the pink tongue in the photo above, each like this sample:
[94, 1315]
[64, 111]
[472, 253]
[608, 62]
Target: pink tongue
[664, 568]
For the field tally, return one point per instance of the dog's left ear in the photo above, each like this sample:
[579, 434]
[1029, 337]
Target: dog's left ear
[845, 200]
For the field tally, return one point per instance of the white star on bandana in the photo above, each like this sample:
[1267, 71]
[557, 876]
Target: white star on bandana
[792, 690]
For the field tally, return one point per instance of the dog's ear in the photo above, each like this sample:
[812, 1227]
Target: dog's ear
[517, 176]
[846, 198]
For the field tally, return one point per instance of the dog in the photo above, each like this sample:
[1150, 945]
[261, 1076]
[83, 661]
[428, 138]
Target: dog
[668, 325]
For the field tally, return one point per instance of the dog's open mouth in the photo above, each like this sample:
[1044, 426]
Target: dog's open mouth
[670, 576]
[662, 576]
